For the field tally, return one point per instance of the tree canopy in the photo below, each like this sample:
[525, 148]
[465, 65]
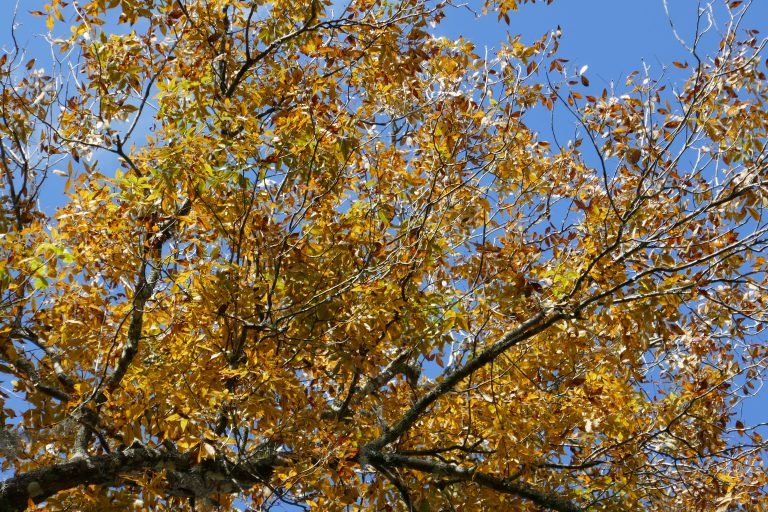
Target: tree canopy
[313, 255]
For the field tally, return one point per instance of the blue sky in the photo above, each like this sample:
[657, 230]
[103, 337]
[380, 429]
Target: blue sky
[612, 37]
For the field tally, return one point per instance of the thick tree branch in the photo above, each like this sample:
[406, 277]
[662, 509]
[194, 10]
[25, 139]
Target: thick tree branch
[534, 325]
[144, 289]
[186, 476]
[541, 498]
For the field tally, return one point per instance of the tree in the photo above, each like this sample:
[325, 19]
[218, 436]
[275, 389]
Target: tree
[326, 261]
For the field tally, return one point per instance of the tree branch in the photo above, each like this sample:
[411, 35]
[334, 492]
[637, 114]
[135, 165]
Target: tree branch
[534, 325]
[53, 355]
[219, 475]
[25, 367]
[144, 289]
[504, 485]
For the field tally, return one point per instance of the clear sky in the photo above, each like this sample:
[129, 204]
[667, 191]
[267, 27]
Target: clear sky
[612, 37]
